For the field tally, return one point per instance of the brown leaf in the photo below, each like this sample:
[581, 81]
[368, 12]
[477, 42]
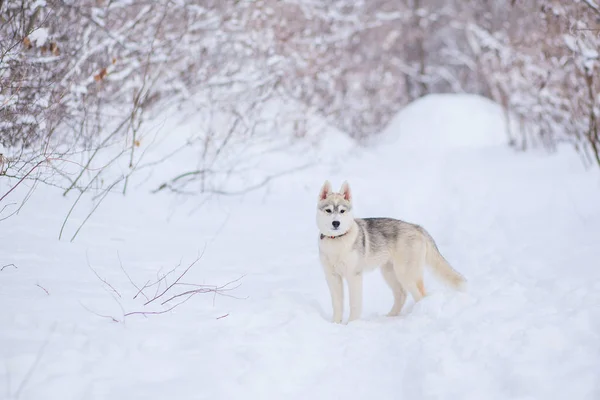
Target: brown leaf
[54, 48]
[27, 42]
[137, 143]
[100, 75]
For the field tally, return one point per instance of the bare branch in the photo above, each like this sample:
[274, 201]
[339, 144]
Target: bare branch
[176, 298]
[8, 265]
[44, 289]
[113, 319]
[139, 290]
[100, 278]
[178, 278]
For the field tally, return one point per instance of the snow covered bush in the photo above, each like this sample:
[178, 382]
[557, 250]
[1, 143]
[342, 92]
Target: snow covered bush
[358, 63]
[542, 66]
[79, 77]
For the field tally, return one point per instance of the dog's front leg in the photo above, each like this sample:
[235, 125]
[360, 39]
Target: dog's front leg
[336, 288]
[355, 286]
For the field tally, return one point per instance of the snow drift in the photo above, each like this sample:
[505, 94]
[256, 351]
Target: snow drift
[445, 121]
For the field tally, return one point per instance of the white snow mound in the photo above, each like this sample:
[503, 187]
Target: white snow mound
[447, 121]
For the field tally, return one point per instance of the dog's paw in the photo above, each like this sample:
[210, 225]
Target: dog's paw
[353, 318]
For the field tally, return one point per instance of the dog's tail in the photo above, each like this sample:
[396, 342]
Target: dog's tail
[440, 266]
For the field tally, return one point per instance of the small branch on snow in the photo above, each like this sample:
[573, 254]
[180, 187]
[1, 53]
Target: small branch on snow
[130, 280]
[206, 289]
[178, 279]
[102, 279]
[41, 287]
[145, 313]
[113, 319]
[8, 265]
[158, 296]
[170, 185]
[222, 316]
[7, 205]
[141, 291]
[168, 295]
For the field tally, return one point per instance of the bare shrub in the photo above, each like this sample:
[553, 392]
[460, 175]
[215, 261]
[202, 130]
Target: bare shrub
[358, 63]
[79, 79]
[157, 296]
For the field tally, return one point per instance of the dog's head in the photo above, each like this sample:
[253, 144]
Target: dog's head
[334, 210]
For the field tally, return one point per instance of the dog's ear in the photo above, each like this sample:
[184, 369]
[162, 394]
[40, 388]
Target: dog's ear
[325, 190]
[345, 191]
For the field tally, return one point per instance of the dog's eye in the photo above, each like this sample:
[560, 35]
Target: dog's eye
[328, 211]
[342, 211]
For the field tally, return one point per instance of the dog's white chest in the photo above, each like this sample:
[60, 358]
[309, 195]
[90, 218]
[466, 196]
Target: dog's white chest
[339, 257]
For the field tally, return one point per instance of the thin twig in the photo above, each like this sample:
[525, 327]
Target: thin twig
[189, 292]
[215, 290]
[130, 280]
[41, 287]
[46, 159]
[158, 312]
[9, 204]
[140, 291]
[179, 278]
[94, 209]
[100, 315]
[160, 294]
[102, 279]
[8, 265]
[22, 179]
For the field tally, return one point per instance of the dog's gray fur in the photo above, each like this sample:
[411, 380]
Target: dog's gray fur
[349, 246]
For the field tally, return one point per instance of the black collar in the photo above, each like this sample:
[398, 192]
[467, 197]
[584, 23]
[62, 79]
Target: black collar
[333, 237]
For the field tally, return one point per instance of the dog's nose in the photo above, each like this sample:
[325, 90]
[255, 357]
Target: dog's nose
[335, 224]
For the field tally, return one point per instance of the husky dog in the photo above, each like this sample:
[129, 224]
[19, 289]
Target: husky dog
[349, 246]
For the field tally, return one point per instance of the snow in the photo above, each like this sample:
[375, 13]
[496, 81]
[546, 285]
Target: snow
[426, 122]
[522, 227]
[39, 36]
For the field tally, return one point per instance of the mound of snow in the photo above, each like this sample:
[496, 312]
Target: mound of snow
[447, 121]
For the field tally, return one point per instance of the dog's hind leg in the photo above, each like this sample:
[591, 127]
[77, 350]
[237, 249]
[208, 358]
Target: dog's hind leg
[421, 287]
[409, 271]
[417, 289]
[387, 270]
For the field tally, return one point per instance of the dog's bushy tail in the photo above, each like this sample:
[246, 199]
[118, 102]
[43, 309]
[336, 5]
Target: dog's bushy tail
[440, 266]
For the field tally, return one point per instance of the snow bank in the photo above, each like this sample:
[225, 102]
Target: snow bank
[445, 122]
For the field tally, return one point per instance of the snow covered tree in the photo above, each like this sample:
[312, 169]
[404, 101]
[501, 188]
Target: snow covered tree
[78, 76]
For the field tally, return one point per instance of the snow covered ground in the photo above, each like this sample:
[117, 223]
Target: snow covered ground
[524, 229]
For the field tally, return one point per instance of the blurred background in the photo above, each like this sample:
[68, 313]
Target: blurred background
[82, 78]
